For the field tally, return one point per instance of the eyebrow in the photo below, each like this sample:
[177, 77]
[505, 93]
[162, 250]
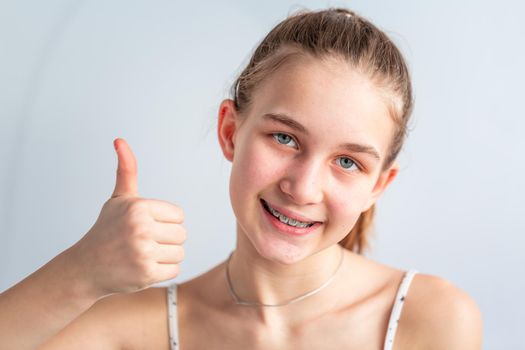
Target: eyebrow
[293, 124]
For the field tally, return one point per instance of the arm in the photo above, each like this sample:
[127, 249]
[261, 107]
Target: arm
[134, 243]
[449, 319]
[43, 303]
[120, 321]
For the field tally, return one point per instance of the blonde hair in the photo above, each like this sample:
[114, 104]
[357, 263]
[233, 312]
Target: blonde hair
[339, 33]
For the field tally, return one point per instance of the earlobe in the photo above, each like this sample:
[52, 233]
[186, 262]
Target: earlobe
[226, 128]
[385, 178]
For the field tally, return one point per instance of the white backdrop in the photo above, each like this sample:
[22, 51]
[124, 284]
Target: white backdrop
[74, 75]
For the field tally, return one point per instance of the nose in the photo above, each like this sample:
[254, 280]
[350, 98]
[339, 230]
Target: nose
[303, 182]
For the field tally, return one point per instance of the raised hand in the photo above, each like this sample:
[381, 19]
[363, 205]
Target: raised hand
[135, 242]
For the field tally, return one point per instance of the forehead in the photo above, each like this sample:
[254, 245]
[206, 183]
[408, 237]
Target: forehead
[331, 99]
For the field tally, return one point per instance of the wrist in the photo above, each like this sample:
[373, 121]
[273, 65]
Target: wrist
[77, 281]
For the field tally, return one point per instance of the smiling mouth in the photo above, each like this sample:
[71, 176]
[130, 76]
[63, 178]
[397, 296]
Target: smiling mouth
[284, 219]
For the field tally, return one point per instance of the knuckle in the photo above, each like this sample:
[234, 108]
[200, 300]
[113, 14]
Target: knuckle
[146, 272]
[148, 276]
[148, 249]
[137, 207]
[138, 229]
[141, 250]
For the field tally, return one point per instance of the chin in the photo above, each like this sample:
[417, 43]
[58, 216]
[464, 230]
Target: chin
[281, 252]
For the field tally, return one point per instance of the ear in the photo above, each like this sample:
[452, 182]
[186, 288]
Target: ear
[385, 178]
[227, 127]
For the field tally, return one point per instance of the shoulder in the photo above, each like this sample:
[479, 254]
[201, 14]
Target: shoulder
[439, 315]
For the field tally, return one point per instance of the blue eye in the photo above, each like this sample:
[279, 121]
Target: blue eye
[347, 163]
[283, 139]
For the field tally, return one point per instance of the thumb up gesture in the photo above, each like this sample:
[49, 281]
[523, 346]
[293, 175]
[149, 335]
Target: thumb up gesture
[135, 242]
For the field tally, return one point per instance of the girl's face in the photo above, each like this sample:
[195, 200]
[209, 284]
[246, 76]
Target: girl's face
[312, 145]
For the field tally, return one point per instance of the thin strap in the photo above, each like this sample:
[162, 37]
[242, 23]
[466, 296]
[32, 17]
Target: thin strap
[172, 316]
[396, 310]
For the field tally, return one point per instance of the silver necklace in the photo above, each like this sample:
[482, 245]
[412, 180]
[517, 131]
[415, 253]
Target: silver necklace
[238, 301]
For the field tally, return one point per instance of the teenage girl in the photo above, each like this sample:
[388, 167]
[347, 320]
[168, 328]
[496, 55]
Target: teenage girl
[313, 129]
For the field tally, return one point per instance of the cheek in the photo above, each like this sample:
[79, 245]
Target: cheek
[348, 203]
[253, 169]
[256, 164]
[250, 167]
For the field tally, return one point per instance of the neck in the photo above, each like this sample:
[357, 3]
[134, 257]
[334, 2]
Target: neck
[273, 277]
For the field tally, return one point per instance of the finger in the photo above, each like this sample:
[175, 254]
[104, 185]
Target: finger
[168, 233]
[167, 271]
[126, 183]
[163, 211]
[169, 253]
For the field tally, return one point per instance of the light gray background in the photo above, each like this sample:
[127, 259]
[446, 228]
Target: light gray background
[74, 75]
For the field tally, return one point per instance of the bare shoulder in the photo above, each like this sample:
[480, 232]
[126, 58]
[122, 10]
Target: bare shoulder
[119, 321]
[439, 315]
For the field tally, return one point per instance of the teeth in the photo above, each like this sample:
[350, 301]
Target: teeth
[286, 220]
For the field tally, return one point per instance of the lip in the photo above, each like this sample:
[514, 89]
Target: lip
[289, 214]
[284, 228]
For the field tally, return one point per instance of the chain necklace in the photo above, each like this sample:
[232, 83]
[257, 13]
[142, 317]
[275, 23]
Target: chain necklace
[238, 301]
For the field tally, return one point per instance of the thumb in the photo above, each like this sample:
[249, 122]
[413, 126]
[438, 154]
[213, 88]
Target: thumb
[126, 183]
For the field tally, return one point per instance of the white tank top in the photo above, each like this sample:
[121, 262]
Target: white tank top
[390, 333]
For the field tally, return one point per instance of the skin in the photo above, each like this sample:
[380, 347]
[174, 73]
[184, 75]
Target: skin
[305, 174]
